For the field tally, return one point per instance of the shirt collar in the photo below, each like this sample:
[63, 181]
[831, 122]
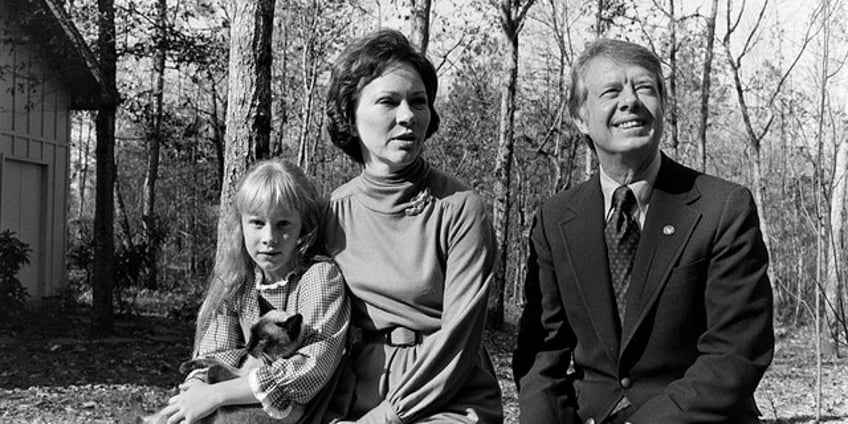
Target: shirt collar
[642, 186]
[263, 285]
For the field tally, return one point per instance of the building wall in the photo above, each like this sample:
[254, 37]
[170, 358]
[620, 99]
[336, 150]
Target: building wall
[34, 159]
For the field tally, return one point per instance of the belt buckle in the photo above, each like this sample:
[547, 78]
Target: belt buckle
[405, 337]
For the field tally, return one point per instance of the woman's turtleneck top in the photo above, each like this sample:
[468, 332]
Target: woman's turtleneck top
[417, 250]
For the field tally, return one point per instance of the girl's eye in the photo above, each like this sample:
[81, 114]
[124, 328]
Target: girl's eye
[256, 222]
[386, 101]
[283, 223]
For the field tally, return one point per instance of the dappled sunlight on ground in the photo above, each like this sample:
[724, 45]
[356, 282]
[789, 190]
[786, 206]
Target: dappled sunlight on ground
[52, 372]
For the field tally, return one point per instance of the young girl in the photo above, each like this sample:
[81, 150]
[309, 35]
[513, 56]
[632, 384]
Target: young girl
[271, 231]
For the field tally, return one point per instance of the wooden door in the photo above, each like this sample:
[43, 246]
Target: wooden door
[22, 210]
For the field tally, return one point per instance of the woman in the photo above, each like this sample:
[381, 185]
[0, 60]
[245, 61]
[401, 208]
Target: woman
[415, 246]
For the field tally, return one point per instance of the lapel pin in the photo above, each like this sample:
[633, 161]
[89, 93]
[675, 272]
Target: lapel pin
[668, 230]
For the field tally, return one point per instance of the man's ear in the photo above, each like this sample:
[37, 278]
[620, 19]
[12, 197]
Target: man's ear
[580, 122]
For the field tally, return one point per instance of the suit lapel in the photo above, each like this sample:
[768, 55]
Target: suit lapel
[582, 230]
[668, 227]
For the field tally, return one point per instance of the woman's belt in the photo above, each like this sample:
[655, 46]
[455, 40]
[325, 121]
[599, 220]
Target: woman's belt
[397, 336]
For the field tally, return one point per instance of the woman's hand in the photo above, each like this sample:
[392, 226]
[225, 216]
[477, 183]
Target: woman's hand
[195, 401]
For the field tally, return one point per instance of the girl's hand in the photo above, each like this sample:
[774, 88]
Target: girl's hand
[198, 375]
[190, 383]
[193, 403]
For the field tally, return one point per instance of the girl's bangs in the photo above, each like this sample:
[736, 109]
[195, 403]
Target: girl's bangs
[265, 196]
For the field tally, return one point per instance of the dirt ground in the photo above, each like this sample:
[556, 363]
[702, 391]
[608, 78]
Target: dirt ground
[52, 372]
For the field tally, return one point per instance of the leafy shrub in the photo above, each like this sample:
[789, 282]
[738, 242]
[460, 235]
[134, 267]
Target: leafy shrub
[14, 254]
[132, 261]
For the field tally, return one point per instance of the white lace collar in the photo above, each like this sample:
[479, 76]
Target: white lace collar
[261, 285]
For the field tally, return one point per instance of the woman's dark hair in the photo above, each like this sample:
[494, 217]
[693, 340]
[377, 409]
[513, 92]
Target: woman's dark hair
[360, 63]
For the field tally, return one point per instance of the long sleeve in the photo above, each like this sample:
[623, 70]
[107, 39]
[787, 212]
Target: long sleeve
[224, 340]
[448, 356]
[738, 344]
[545, 341]
[320, 298]
[417, 252]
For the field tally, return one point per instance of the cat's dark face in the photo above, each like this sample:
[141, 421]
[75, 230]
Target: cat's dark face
[276, 335]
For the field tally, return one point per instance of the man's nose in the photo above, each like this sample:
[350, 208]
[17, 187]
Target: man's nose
[628, 99]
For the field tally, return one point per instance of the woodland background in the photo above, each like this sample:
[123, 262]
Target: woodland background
[757, 95]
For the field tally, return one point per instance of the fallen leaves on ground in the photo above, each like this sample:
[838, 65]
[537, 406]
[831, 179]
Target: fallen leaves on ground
[52, 372]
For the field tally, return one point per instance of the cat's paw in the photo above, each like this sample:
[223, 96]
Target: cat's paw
[219, 372]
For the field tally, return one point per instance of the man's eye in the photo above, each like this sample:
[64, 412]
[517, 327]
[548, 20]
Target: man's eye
[610, 92]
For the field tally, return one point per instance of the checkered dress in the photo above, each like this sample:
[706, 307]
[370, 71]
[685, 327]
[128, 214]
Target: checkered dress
[319, 295]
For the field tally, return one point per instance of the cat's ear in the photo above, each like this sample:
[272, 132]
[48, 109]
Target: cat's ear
[265, 306]
[292, 325]
[254, 339]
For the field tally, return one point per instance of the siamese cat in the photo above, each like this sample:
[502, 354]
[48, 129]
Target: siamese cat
[276, 335]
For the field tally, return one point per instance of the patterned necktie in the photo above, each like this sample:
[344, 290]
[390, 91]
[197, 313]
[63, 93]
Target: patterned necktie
[622, 237]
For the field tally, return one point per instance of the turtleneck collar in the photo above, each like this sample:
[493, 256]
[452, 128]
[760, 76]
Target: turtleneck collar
[397, 192]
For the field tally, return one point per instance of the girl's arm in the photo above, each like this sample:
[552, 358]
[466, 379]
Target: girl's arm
[223, 339]
[321, 300]
[197, 399]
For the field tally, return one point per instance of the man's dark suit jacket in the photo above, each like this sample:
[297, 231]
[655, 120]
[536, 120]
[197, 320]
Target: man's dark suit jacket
[697, 335]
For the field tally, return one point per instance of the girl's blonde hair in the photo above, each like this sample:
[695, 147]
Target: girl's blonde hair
[268, 185]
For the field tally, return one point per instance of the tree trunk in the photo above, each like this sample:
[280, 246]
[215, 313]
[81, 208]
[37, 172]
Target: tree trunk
[122, 217]
[414, 17]
[420, 34]
[589, 161]
[104, 211]
[756, 166]
[148, 213]
[705, 88]
[672, 81]
[562, 133]
[282, 49]
[309, 66]
[217, 134]
[753, 140]
[310, 79]
[85, 151]
[249, 93]
[835, 309]
[512, 19]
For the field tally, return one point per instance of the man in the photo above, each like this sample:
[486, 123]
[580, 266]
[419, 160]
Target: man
[647, 294]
